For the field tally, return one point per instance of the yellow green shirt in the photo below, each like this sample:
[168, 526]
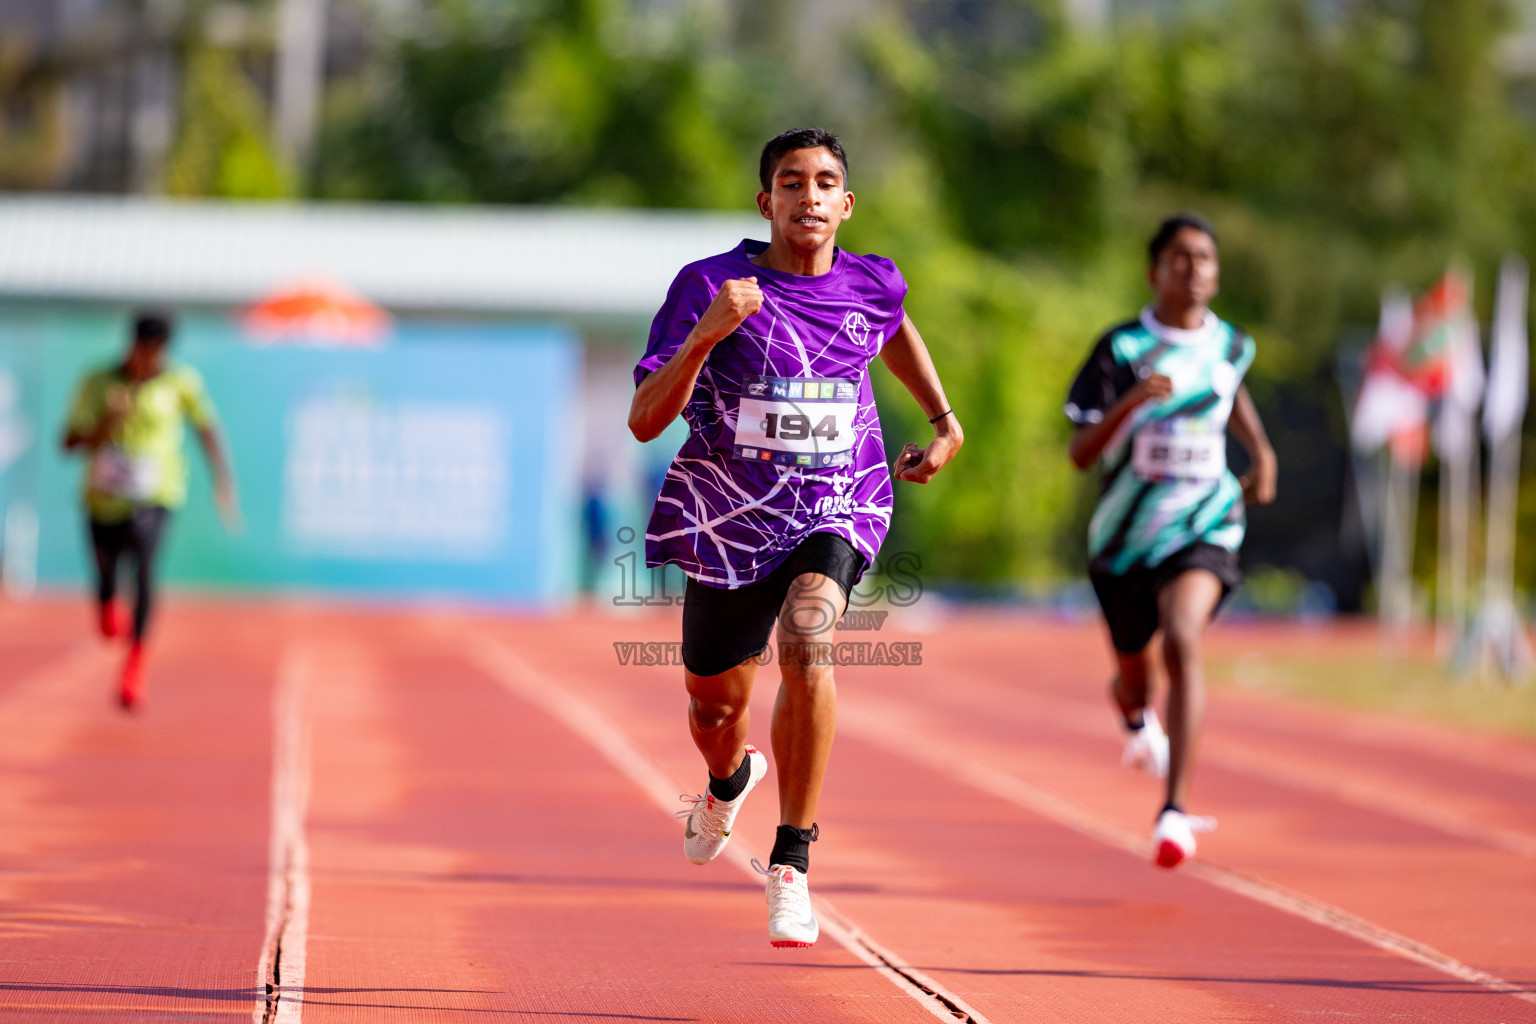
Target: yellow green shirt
[142, 462]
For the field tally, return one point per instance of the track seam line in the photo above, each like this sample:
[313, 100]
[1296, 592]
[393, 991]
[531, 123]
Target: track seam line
[943, 758]
[1068, 716]
[284, 948]
[583, 718]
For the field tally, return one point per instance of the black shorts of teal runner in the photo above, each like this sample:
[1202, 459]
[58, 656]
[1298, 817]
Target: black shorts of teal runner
[723, 628]
[1129, 600]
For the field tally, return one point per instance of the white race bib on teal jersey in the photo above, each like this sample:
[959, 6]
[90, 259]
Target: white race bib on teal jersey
[1177, 450]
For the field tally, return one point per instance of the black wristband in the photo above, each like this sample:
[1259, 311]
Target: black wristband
[941, 415]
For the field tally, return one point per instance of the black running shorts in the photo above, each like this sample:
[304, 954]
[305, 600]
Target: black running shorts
[1129, 599]
[723, 628]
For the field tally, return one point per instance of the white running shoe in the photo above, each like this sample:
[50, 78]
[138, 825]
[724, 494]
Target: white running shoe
[791, 921]
[709, 820]
[1173, 840]
[1146, 749]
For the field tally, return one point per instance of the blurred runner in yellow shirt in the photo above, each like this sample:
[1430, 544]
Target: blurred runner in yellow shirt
[129, 421]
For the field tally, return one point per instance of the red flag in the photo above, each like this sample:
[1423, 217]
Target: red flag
[1389, 408]
[1438, 316]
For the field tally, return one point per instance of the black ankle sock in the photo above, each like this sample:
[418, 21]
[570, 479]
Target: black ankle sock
[1133, 719]
[1170, 806]
[731, 787]
[792, 846]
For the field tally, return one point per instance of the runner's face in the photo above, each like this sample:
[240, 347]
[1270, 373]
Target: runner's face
[808, 200]
[1187, 273]
[145, 360]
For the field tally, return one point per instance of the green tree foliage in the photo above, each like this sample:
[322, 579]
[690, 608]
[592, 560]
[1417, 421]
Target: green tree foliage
[563, 101]
[33, 140]
[223, 147]
[1335, 152]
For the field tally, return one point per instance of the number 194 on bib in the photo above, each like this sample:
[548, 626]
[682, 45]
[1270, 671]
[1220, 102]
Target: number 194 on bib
[796, 421]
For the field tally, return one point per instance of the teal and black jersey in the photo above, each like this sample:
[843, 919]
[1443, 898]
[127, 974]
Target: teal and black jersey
[1165, 484]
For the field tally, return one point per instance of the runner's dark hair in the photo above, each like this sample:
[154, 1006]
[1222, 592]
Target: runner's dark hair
[795, 139]
[1172, 226]
[152, 326]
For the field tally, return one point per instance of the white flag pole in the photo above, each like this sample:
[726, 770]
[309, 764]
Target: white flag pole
[1451, 573]
[1502, 642]
[1457, 443]
[1398, 530]
[1384, 409]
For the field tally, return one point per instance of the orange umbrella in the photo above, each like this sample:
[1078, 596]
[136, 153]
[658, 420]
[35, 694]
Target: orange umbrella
[316, 312]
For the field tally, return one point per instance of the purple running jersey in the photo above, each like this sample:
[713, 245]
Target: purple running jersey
[784, 438]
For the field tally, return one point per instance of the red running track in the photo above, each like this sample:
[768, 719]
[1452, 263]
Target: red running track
[434, 816]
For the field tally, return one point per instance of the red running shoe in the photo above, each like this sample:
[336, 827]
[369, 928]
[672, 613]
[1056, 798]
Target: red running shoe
[131, 688]
[114, 620]
[1173, 840]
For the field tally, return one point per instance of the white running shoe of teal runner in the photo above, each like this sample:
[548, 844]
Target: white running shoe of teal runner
[1173, 840]
[708, 822]
[1146, 749]
[791, 921]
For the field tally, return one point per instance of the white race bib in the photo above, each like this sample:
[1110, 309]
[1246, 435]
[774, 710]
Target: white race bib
[796, 421]
[1171, 454]
[116, 473]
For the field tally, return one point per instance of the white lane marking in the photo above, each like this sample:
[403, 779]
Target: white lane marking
[583, 718]
[1079, 717]
[881, 731]
[280, 972]
[1369, 795]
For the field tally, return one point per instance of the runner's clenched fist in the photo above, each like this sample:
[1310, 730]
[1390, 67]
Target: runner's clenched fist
[736, 300]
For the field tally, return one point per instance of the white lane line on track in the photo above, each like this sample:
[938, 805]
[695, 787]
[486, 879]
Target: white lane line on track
[280, 972]
[1292, 773]
[1368, 795]
[1374, 795]
[583, 718]
[895, 738]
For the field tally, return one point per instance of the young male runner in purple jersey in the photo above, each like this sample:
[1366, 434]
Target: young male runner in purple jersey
[780, 497]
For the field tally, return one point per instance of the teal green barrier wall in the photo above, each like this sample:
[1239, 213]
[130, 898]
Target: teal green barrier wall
[442, 463]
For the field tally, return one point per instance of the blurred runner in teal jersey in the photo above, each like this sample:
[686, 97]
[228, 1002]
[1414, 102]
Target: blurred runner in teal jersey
[129, 420]
[1153, 405]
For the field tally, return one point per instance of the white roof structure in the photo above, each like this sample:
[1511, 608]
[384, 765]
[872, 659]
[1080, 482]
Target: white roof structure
[484, 260]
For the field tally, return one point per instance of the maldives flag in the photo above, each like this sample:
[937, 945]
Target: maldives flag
[1422, 352]
[1442, 322]
[1389, 407]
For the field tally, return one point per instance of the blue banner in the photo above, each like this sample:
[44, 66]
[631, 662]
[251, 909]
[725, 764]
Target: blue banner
[443, 463]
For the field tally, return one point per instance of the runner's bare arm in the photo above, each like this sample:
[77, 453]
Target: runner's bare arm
[87, 438]
[118, 403]
[1090, 439]
[907, 358]
[1259, 482]
[223, 479]
[663, 395]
